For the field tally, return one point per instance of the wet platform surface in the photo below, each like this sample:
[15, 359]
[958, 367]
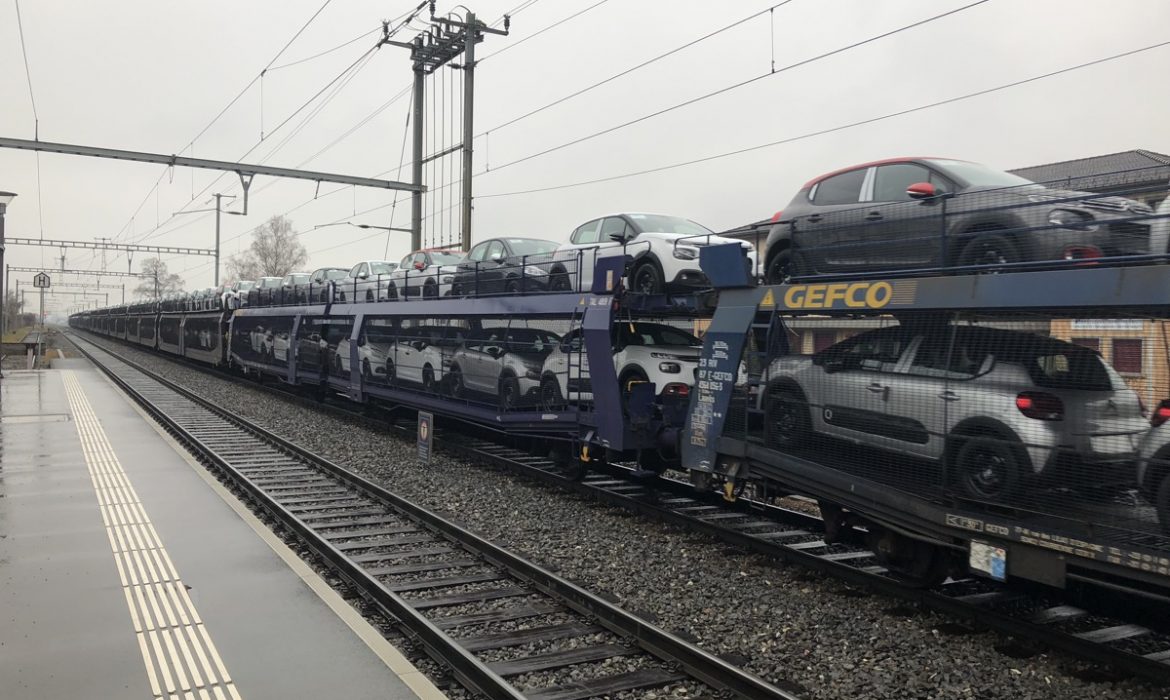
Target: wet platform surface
[126, 571]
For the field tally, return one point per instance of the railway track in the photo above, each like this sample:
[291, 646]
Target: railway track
[795, 536]
[505, 627]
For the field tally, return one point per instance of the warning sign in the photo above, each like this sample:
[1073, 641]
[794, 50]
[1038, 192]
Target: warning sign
[426, 425]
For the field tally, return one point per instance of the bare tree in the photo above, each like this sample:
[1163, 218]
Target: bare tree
[158, 280]
[12, 311]
[275, 252]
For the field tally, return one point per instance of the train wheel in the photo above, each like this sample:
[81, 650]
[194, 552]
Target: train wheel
[920, 564]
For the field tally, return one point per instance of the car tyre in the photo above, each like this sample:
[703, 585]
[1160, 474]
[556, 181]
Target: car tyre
[560, 282]
[550, 394]
[1162, 503]
[988, 468]
[787, 423]
[392, 292]
[366, 373]
[428, 379]
[783, 267]
[455, 381]
[989, 249]
[430, 290]
[389, 371]
[509, 393]
[647, 279]
[512, 286]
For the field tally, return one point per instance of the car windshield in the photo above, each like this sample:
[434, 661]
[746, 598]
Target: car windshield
[336, 274]
[270, 282]
[531, 246]
[298, 279]
[383, 268]
[244, 285]
[655, 334]
[668, 224]
[445, 258]
[978, 175]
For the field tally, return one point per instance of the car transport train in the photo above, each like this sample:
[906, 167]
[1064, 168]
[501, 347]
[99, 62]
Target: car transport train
[993, 417]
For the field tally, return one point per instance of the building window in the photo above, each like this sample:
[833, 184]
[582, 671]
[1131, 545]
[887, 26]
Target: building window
[1093, 344]
[1127, 355]
[823, 340]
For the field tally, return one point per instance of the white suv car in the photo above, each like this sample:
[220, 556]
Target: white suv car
[424, 273]
[996, 409]
[647, 352]
[665, 252]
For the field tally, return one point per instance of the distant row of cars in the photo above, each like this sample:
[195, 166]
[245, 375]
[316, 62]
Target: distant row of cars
[519, 364]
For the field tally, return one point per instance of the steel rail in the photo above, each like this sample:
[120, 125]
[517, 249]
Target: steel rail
[696, 662]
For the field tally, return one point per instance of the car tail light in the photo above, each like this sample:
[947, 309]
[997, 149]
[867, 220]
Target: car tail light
[1039, 405]
[677, 389]
[1082, 252]
[1161, 413]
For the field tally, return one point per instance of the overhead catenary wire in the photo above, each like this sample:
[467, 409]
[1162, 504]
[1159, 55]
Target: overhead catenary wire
[740, 84]
[841, 127]
[537, 33]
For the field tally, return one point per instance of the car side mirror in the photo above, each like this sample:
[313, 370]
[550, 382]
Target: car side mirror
[497, 257]
[617, 237]
[363, 275]
[921, 190]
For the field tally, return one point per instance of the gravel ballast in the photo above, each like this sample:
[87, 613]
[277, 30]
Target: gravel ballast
[807, 633]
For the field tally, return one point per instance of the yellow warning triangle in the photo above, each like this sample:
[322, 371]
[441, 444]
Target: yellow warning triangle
[581, 302]
[769, 299]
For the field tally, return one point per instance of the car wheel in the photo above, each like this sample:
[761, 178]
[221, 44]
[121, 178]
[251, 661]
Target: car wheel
[337, 364]
[647, 279]
[626, 385]
[428, 378]
[1162, 503]
[550, 394]
[786, 419]
[369, 295]
[366, 373]
[783, 268]
[509, 393]
[457, 290]
[987, 468]
[430, 290]
[455, 379]
[389, 371]
[988, 249]
[392, 292]
[560, 282]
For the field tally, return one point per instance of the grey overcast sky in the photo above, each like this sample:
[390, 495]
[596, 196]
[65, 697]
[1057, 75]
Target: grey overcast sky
[147, 75]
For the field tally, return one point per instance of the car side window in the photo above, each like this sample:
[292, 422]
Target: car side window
[587, 233]
[840, 189]
[613, 225]
[354, 270]
[891, 181]
[938, 356]
[478, 253]
[496, 248]
[875, 351]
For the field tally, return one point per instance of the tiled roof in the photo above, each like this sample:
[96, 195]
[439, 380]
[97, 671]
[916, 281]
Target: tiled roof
[1127, 169]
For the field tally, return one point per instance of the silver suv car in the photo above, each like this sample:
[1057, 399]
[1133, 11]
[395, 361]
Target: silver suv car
[993, 407]
[501, 362]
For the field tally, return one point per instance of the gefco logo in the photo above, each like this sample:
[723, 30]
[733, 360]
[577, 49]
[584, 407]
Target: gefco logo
[850, 295]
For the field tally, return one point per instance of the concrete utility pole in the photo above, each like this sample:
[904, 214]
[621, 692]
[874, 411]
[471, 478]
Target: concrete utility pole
[430, 51]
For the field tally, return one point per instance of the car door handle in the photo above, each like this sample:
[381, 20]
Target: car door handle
[949, 396]
[874, 216]
[813, 218]
[878, 388]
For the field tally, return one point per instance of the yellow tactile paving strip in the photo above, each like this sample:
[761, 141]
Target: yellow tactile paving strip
[181, 660]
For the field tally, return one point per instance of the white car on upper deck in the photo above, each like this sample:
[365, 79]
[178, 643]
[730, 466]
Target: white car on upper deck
[664, 248]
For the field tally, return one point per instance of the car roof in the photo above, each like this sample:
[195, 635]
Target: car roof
[873, 163]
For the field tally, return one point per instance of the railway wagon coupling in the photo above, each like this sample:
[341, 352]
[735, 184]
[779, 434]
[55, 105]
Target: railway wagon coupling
[1005, 425]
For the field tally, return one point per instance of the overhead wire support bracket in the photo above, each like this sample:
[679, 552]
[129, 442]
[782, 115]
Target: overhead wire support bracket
[100, 245]
[244, 170]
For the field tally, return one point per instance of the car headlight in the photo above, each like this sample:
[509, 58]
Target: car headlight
[669, 367]
[534, 271]
[1068, 218]
[686, 252]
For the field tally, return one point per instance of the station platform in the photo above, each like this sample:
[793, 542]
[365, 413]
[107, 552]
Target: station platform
[126, 570]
